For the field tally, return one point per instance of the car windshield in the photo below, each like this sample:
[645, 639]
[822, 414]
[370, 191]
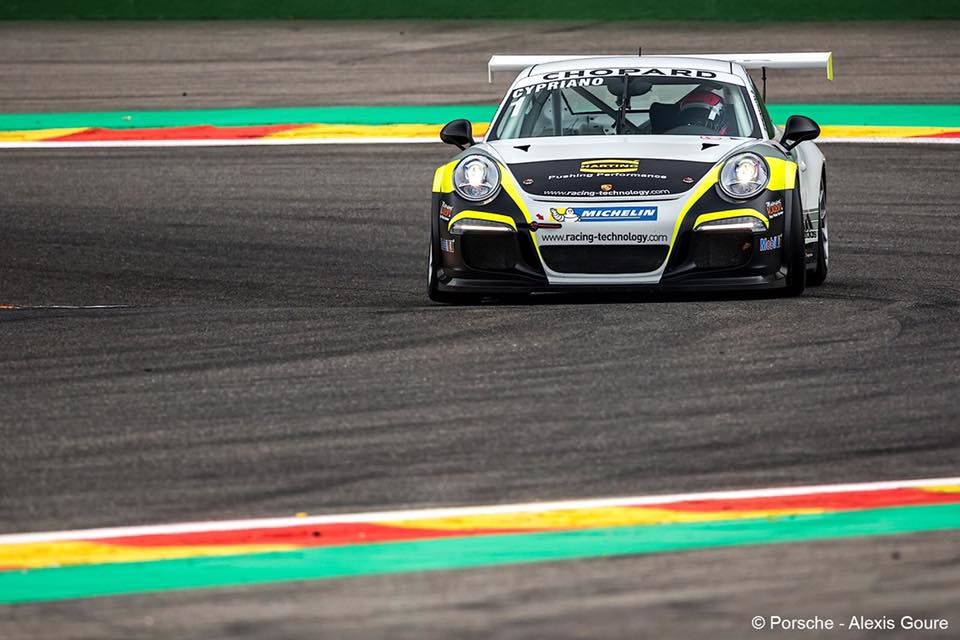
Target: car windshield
[619, 105]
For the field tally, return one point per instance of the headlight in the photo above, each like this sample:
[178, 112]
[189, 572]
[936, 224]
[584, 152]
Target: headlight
[476, 178]
[744, 176]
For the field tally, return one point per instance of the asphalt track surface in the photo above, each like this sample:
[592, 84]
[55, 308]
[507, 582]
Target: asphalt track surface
[279, 355]
[276, 353]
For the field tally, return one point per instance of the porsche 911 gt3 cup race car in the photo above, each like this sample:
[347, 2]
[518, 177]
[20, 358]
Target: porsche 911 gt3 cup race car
[649, 173]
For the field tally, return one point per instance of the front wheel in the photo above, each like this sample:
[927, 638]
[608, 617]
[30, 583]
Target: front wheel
[818, 274]
[444, 297]
[794, 249]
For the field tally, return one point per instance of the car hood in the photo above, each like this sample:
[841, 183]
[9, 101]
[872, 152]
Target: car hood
[612, 166]
[694, 148]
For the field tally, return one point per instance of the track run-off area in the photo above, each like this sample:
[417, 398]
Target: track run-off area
[61, 565]
[404, 124]
[229, 409]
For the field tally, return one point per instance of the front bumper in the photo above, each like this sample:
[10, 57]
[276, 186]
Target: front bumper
[695, 260]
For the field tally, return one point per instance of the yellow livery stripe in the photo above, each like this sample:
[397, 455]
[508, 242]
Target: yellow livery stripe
[480, 215]
[705, 184]
[443, 178]
[510, 186]
[783, 174]
[733, 213]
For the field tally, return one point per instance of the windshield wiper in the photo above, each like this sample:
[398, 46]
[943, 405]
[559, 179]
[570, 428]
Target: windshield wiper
[622, 113]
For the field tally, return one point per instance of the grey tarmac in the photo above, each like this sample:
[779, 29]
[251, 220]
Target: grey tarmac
[274, 352]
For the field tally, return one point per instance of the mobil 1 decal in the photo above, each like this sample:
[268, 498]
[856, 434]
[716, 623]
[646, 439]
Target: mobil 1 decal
[608, 177]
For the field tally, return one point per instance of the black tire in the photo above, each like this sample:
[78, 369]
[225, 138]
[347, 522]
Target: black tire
[445, 297]
[818, 274]
[794, 248]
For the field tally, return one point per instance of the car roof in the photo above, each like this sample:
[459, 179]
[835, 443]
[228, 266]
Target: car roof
[600, 62]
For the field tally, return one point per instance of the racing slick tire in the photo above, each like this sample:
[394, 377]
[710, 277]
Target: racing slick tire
[445, 297]
[818, 274]
[794, 247]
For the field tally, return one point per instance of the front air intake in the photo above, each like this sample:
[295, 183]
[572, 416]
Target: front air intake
[490, 251]
[722, 250]
[604, 258]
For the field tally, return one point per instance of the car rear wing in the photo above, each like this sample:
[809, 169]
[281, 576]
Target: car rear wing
[812, 60]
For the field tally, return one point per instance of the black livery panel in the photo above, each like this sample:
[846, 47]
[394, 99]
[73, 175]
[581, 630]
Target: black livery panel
[604, 177]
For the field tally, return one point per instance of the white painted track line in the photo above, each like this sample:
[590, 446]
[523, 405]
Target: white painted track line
[423, 514]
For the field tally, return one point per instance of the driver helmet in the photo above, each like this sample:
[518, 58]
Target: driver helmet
[705, 109]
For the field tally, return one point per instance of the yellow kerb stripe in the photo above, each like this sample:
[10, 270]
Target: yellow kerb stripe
[877, 131]
[38, 135]
[53, 554]
[590, 518]
[943, 489]
[369, 131]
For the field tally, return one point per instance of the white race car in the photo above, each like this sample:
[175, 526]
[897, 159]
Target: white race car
[608, 173]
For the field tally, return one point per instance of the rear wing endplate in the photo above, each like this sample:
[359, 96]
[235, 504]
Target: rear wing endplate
[812, 60]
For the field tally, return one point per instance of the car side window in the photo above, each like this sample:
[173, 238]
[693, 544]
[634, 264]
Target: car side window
[767, 120]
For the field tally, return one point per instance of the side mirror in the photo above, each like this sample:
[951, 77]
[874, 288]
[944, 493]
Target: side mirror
[459, 132]
[797, 130]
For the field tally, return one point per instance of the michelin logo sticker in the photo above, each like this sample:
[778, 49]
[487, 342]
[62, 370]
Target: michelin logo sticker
[604, 214]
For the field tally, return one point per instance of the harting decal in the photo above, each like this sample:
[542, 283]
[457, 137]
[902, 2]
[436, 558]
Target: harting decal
[604, 214]
[609, 166]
